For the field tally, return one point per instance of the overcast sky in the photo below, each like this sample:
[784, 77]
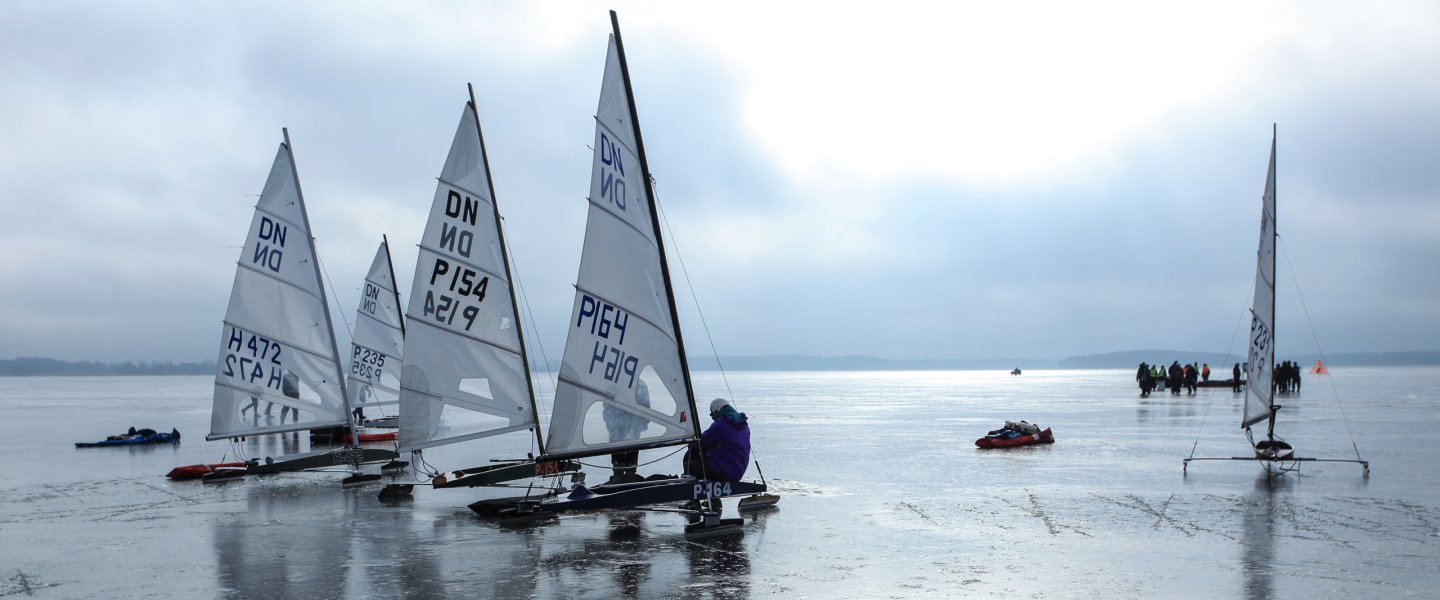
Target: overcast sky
[946, 180]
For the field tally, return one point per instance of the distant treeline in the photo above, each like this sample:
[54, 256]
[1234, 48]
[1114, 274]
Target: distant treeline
[863, 363]
[28, 366]
[20, 367]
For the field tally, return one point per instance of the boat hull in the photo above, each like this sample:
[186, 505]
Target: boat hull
[617, 496]
[172, 437]
[198, 471]
[340, 457]
[1044, 437]
[500, 473]
[1273, 450]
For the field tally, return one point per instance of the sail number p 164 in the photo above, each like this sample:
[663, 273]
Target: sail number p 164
[607, 322]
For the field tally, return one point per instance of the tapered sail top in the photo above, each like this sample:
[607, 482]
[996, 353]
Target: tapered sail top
[379, 340]
[464, 376]
[277, 348]
[1259, 394]
[621, 381]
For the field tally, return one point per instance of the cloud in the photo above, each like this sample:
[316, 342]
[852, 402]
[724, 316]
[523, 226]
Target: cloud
[913, 181]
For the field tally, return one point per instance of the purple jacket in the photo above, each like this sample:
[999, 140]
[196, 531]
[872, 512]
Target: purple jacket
[727, 446]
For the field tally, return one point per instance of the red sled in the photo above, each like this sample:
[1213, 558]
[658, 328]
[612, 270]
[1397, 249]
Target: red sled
[388, 436]
[1044, 437]
[198, 471]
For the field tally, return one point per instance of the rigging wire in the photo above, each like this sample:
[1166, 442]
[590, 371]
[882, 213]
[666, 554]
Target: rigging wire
[724, 377]
[333, 296]
[1343, 417]
[1235, 334]
[524, 301]
[654, 186]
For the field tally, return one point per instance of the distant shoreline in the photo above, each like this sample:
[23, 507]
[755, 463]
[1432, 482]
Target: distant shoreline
[34, 366]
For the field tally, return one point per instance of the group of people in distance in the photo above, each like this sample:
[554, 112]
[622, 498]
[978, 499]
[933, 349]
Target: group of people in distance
[1287, 377]
[1177, 376]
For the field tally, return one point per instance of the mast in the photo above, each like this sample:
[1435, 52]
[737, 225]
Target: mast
[391, 265]
[655, 222]
[1274, 234]
[505, 262]
[319, 279]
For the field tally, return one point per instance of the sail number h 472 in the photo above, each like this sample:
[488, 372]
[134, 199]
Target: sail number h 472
[607, 323]
[251, 358]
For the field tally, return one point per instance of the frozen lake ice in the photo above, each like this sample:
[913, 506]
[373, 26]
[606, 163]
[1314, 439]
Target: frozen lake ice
[884, 496]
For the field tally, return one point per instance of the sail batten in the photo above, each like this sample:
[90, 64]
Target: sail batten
[623, 382]
[378, 344]
[464, 374]
[276, 343]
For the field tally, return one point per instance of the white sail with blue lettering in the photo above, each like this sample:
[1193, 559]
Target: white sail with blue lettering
[1259, 394]
[464, 374]
[622, 381]
[379, 340]
[278, 367]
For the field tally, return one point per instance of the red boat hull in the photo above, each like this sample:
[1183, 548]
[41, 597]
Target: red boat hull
[388, 436]
[198, 471]
[1044, 437]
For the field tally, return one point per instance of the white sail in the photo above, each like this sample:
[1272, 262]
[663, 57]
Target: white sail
[277, 349]
[621, 381]
[1259, 394]
[464, 375]
[379, 339]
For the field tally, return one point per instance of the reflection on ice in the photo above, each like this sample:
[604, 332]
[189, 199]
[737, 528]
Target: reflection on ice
[884, 495]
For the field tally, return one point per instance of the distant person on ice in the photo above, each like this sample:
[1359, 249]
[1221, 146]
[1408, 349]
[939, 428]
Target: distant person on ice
[1235, 377]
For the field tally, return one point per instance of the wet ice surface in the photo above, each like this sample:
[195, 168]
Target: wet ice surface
[884, 496]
